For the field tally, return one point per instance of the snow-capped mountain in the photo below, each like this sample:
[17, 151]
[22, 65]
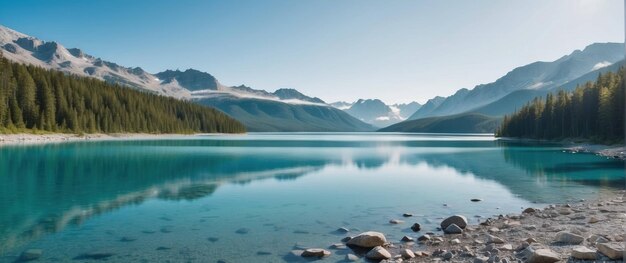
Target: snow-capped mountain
[376, 112]
[188, 84]
[259, 110]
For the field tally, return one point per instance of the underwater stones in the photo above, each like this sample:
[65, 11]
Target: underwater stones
[476, 199]
[395, 221]
[30, 254]
[127, 239]
[368, 239]
[213, 239]
[351, 257]
[416, 227]
[242, 231]
[459, 220]
[342, 230]
[407, 215]
[97, 255]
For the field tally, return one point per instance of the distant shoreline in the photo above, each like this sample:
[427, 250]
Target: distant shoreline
[31, 139]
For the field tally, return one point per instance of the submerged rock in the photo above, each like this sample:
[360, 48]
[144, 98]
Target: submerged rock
[378, 253]
[406, 239]
[30, 254]
[395, 221]
[416, 227]
[315, 252]
[458, 220]
[242, 231]
[368, 239]
[352, 257]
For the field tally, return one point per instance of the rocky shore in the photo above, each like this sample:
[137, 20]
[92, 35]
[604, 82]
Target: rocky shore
[617, 152]
[586, 231]
[26, 138]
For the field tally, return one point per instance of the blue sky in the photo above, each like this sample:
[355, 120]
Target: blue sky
[397, 51]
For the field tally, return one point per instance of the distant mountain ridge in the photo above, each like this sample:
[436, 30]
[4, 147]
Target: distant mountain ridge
[534, 76]
[376, 112]
[190, 84]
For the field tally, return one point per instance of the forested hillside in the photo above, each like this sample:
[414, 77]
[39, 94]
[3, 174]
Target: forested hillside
[593, 111]
[32, 98]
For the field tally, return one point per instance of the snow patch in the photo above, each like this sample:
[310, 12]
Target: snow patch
[382, 118]
[601, 65]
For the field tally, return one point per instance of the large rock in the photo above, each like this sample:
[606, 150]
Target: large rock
[368, 239]
[564, 237]
[611, 250]
[583, 253]
[458, 220]
[544, 256]
[315, 252]
[378, 253]
[453, 229]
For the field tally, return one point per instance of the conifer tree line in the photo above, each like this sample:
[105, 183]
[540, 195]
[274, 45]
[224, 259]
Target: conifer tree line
[36, 99]
[592, 111]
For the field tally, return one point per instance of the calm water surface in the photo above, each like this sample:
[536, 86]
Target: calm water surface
[255, 197]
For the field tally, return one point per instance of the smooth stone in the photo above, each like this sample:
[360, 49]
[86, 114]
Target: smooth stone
[368, 239]
[407, 215]
[611, 250]
[453, 229]
[346, 239]
[529, 210]
[494, 239]
[416, 227]
[544, 256]
[406, 239]
[448, 255]
[583, 253]
[352, 257]
[568, 238]
[338, 246]
[423, 238]
[377, 253]
[459, 220]
[343, 230]
[315, 252]
[395, 221]
[407, 254]
[31, 254]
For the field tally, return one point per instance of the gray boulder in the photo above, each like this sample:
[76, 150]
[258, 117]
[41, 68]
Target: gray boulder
[378, 253]
[458, 220]
[368, 239]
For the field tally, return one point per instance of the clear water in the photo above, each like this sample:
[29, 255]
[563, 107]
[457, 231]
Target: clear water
[252, 198]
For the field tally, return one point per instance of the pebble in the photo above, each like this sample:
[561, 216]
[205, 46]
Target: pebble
[494, 239]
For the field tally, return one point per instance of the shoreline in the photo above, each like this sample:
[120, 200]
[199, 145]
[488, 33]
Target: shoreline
[34, 139]
[608, 151]
[585, 231]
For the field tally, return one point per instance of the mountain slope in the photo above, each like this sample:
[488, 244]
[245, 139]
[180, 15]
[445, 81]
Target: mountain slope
[273, 116]
[462, 123]
[517, 99]
[376, 112]
[428, 107]
[312, 114]
[538, 75]
[33, 98]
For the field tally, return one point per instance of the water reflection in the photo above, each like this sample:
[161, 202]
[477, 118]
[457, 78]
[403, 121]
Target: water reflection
[45, 188]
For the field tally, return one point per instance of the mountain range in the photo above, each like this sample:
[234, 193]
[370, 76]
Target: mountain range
[282, 110]
[376, 112]
[480, 107]
[534, 76]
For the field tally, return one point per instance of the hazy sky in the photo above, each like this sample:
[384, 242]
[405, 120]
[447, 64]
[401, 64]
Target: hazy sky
[397, 51]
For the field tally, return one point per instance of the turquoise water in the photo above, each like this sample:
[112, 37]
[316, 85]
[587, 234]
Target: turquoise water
[253, 198]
